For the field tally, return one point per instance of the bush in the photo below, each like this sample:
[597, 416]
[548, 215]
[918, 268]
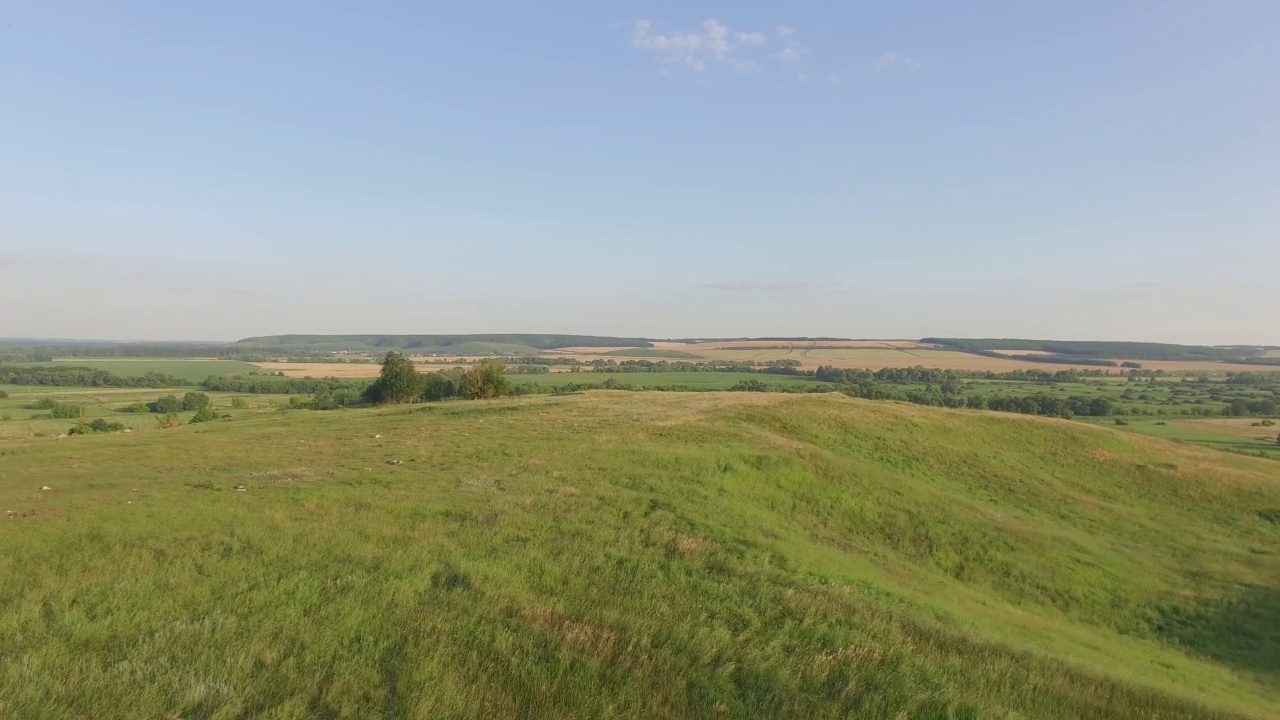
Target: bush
[167, 405]
[195, 401]
[1121, 421]
[204, 414]
[136, 408]
[3, 394]
[64, 411]
[239, 403]
[41, 404]
[100, 425]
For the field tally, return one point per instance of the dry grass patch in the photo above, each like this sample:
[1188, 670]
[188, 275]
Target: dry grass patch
[317, 370]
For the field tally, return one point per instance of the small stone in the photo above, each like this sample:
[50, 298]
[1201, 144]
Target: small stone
[45, 487]
[377, 436]
[393, 462]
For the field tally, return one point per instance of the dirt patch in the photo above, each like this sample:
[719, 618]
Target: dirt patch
[40, 514]
[585, 636]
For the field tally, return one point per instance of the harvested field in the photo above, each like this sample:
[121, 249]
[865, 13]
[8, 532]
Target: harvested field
[318, 370]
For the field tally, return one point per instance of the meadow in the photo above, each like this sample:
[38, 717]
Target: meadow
[637, 555]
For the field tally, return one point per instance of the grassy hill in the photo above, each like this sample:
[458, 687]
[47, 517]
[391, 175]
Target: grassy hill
[638, 555]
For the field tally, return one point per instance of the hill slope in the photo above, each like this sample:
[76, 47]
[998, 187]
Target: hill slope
[638, 555]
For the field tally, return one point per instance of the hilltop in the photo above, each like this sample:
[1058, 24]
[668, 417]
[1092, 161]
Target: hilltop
[638, 555]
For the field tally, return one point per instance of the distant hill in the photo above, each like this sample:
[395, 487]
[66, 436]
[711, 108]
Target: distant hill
[1100, 349]
[513, 344]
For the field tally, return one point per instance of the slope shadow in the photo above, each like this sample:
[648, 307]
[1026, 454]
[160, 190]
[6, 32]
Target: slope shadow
[1242, 632]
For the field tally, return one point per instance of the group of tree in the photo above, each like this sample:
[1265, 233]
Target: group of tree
[60, 375]
[400, 382]
[173, 404]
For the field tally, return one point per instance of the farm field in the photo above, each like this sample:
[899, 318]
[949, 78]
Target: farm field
[658, 555]
[193, 370]
[1231, 434]
[337, 370]
[696, 380]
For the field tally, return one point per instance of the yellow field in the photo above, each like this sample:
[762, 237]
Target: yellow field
[848, 354]
[1241, 427]
[319, 370]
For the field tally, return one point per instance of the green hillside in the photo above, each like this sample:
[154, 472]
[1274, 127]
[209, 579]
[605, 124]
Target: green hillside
[637, 555]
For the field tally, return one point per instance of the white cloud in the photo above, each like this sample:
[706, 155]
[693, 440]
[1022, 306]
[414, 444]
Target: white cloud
[788, 55]
[785, 32]
[889, 60]
[714, 43]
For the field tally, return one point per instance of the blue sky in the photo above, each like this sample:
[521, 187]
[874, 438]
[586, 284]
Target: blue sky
[215, 170]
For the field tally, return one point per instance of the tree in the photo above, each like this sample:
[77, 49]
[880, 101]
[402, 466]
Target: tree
[166, 405]
[484, 380]
[439, 386]
[204, 414]
[195, 401]
[398, 382]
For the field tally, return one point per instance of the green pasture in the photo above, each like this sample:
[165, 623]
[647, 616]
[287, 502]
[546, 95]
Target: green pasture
[637, 555]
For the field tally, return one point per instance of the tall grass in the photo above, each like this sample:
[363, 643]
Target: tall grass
[637, 555]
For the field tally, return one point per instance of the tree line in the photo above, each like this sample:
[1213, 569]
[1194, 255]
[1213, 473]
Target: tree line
[400, 382]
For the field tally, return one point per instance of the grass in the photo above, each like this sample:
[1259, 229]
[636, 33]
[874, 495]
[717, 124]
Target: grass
[108, 403]
[193, 370]
[637, 555]
[1204, 432]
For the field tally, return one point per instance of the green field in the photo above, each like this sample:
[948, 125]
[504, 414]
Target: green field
[637, 555]
[694, 380]
[1262, 441]
[193, 370]
[17, 421]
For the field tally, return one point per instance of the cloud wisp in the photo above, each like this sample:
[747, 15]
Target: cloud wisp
[891, 60]
[713, 44]
[716, 44]
[757, 287]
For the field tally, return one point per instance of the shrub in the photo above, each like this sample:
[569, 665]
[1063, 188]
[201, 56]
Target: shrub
[195, 401]
[41, 404]
[64, 411]
[168, 404]
[136, 408]
[3, 394]
[1121, 421]
[99, 425]
[239, 403]
[204, 414]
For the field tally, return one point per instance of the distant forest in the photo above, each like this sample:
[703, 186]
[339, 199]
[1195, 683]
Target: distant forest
[425, 342]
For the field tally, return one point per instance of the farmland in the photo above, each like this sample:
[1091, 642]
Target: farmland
[778, 555]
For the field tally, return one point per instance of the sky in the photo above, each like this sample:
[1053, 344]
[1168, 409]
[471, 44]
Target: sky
[1065, 170]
